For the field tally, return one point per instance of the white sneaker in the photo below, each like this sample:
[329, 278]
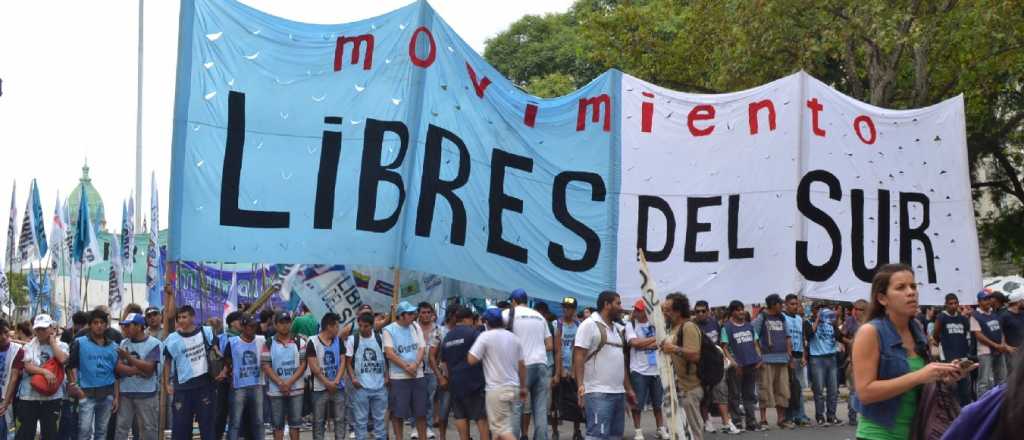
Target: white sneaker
[709, 426]
[732, 429]
[430, 433]
[414, 435]
[639, 435]
[352, 434]
[663, 432]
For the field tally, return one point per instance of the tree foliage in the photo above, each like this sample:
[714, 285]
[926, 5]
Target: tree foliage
[890, 53]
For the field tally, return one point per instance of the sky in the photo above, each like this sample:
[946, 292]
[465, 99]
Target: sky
[70, 79]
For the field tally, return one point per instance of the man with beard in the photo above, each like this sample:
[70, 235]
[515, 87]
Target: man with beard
[600, 365]
[705, 319]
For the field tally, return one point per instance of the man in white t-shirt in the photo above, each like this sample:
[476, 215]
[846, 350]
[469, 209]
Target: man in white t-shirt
[535, 338]
[643, 369]
[504, 373]
[406, 350]
[600, 366]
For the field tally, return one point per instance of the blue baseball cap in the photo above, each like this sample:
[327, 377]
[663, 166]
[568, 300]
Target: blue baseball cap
[134, 318]
[519, 296]
[405, 307]
[984, 293]
[493, 317]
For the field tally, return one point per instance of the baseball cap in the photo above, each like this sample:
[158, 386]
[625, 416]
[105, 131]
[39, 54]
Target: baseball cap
[248, 319]
[569, 302]
[493, 317]
[134, 318]
[519, 296]
[152, 310]
[984, 293]
[282, 316]
[405, 307]
[42, 321]
[640, 305]
[1017, 296]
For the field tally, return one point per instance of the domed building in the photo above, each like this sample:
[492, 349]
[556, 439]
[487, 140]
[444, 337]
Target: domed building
[96, 212]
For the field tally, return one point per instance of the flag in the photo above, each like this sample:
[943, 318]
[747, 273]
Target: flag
[32, 242]
[85, 248]
[74, 290]
[5, 290]
[285, 291]
[10, 258]
[58, 234]
[154, 283]
[128, 235]
[362, 279]
[115, 292]
[231, 304]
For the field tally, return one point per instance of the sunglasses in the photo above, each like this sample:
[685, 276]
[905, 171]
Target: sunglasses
[700, 310]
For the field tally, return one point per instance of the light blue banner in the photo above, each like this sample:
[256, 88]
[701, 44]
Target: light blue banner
[386, 142]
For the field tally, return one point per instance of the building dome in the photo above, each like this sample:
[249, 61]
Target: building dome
[96, 212]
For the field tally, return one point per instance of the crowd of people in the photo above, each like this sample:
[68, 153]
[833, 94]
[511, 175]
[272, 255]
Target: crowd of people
[507, 369]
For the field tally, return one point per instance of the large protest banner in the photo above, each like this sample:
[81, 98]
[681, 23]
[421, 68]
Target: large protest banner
[390, 142]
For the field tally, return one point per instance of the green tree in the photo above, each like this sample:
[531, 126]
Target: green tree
[18, 283]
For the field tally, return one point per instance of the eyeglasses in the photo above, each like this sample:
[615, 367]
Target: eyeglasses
[700, 311]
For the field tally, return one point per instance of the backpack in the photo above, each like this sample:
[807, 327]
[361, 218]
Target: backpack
[214, 358]
[711, 365]
[604, 341]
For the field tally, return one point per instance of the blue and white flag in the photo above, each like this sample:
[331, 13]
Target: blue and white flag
[86, 249]
[128, 233]
[58, 235]
[231, 304]
[10, 258]
[32, 243]
[5, 290]
[115, 291]
[154, 279]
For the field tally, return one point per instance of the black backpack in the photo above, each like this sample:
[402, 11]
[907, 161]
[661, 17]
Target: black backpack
[355, 347]
[711, 365]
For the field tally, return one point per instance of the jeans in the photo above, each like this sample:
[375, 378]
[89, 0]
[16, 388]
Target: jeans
[797, 383]
[68, 429]
[538, 383]
[320, 401]
[606, 415]
[370, 404]
[193, 404]
[145, 410]
[286, 409]
[251, 397]
[44, 412]
[824, 375]
[991, 372]
[746, 381]
[222, 397]
[93, 416]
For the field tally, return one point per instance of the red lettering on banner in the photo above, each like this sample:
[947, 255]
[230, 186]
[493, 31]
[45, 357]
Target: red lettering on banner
[754, 108]
[595, 102]
[703, 112]
[816, 109]
[431, 55]
[357, 43]
[478, 86]
[530, 118]
[865, 120]
[647, 114]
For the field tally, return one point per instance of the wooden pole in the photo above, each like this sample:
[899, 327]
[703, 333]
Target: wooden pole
[395, 290]
[264, 297]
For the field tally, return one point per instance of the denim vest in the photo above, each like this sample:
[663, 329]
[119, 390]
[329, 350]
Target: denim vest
[892, 363]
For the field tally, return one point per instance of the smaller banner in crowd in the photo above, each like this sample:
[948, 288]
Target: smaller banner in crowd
[207, 288]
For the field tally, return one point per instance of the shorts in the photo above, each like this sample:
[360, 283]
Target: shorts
[408, 398]
[469, 407]
[774, 386]
[648, 389]
[284, 408]
[720, 392]
[606, 415]
[502, 406]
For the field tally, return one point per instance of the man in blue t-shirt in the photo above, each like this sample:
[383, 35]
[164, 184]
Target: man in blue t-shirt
[776, 352]
[92, 361]
[823, 346]
[139, 356]
[1012, 323]
[405, 349]
[992, 348]
[739, 342]
[366, 372]
[951, 334]
[186, 354]
[467, 393]
[242, 358]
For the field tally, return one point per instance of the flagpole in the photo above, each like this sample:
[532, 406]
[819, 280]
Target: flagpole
[138, 126]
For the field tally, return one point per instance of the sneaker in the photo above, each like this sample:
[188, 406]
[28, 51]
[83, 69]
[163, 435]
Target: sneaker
[820, 421]
[431, 434]
[709, 426]
[663, 433]
[414, 435]
[763, 426]
[731, 429]
[352, 434]
[638, 435]
[834, 421]
[803, 423]
[787, 425]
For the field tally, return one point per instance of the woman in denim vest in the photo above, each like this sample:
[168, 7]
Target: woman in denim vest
[890, 358]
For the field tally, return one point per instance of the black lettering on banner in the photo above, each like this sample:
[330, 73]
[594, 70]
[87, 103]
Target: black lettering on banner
[645, 203]
[327, 177]
[499, 202]
[860, 268]
[560, 207]
[231, 178]
[736, 252]
[373, 172]
[431, 185]
[694, 227]
[908, 234]
[803, 203]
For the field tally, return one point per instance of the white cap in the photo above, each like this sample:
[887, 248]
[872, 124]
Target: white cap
[42, 321]
[1017, 296]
